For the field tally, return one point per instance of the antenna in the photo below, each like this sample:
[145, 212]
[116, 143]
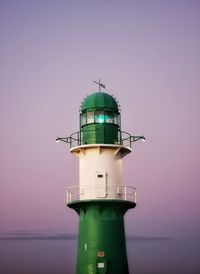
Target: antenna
[100, 84]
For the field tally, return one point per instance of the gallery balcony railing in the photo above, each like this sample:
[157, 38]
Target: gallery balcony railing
[124, 139]
[105, 192]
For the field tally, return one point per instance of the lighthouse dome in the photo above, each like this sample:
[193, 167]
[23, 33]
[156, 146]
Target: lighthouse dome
[99, 100]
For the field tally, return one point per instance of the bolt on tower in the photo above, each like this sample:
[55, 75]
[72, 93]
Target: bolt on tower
[101, 199]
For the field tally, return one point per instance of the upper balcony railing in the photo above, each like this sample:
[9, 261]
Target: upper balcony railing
[105, 192]
[124, 139]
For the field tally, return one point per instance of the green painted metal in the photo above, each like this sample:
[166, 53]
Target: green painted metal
[101, 244]
[99, 100]
[100, 134]
[99, 119]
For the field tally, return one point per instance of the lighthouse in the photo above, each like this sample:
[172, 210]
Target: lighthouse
[101, 198]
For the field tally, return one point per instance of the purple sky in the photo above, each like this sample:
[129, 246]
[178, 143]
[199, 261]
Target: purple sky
[147, 54]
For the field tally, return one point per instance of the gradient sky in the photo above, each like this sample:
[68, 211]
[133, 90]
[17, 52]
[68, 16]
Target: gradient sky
[147, 54]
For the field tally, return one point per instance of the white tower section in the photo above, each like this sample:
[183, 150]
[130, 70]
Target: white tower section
[100, 173]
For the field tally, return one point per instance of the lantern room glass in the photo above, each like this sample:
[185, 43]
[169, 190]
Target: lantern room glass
[108, 117]
[90, 117]
[83, 119]
[100, 117]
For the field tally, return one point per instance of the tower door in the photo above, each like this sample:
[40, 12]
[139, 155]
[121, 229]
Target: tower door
[100, 184]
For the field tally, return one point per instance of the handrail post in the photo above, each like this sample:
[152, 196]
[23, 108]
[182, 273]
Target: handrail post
[70, 142]
[67, 196]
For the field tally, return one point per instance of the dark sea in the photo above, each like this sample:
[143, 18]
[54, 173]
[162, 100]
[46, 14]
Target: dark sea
[56, 254]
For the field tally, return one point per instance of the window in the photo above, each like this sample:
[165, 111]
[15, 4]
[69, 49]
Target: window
[90, 117]
[99, 117]
[109, 117]
[83, 119]
[116, 120]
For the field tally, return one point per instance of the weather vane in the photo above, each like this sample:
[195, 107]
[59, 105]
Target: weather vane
[100, 84]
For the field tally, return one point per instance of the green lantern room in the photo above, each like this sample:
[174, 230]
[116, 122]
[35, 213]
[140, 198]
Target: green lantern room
[99, 119]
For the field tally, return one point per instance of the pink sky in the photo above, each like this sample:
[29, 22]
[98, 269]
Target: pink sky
[147, 55]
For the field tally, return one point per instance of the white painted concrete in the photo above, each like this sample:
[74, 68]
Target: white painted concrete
[100, 171]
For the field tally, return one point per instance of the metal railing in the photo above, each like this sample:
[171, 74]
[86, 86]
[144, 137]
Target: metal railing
[124, 139]
[95, 192]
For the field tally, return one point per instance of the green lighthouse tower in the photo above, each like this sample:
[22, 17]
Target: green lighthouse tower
[101, 199]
